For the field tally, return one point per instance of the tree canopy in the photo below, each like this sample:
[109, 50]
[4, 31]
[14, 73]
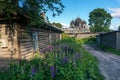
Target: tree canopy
[32, 8]
[99, 20]
[8, 6]
[57, 24]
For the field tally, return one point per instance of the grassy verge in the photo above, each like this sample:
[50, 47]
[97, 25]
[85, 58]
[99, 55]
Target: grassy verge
[109, 49]
[92, 40]
[64, 60]
[89, 40]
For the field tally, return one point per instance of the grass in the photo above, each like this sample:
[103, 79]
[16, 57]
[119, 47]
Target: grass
[89, 40]
[109, 49]
[92, 40]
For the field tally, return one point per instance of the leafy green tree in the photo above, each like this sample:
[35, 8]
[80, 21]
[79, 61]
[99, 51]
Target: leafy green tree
[99, 20]
[32, 8]
[57, 25]
[7, 7]
[118, 28]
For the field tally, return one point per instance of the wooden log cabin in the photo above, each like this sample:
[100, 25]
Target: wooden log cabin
[17, 41]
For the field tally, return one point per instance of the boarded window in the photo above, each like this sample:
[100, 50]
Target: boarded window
[35, 41]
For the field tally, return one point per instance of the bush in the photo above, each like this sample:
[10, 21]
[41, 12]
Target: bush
[89, 40]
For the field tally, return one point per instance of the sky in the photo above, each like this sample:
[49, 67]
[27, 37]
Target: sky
[82, 8]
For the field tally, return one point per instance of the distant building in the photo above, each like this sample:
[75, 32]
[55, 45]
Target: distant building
[77, 26]
[76, 30]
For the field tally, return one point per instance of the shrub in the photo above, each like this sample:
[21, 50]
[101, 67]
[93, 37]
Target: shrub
[89, 40]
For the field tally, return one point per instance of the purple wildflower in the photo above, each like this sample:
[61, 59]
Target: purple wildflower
[47, 49]
[52, 71]
[42, 51]
[65, 60]
[77, 56]
[66, 48]
[33, 71]
[50, 48]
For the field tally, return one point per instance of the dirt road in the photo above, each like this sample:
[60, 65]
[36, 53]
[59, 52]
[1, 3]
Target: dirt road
[109, 64]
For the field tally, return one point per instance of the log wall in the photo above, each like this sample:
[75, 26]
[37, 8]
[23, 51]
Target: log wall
[8, 44]
[35, 40]
[43, 39]
[20, 44]
[26, 46]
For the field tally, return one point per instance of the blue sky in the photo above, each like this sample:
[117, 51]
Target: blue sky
[82, 8]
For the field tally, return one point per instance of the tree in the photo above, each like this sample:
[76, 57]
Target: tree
[7, 7]
[32, 8]
[57, 25]
[99, 20]
[118, 28]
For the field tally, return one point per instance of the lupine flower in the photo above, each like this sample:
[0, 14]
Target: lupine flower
[65, 60]
[33, 71]
[77, 56]
[47, 49]
[43, 51]
[52, 71]
[66, 48]
[50, 48]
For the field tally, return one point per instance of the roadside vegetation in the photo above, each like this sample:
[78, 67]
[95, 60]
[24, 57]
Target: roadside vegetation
[89, 40]
[63, 60]
[109, 49]
[92, 40]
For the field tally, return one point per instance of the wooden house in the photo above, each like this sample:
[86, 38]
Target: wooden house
[18, 41]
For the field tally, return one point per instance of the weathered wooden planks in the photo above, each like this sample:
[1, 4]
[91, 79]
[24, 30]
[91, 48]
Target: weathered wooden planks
[26, 45]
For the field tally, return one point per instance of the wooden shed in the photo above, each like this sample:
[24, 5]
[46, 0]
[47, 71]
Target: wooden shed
[18, 41]
[111, 39]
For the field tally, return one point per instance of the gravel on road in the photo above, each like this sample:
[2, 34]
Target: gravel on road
[109, 64]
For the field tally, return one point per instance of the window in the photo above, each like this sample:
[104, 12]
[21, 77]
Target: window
[35, 41]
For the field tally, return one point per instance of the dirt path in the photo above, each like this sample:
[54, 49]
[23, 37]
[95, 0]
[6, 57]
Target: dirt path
[109, 64]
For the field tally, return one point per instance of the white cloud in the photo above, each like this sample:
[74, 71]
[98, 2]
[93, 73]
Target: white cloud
[113, 27]
[65, 25]
[115, 12]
